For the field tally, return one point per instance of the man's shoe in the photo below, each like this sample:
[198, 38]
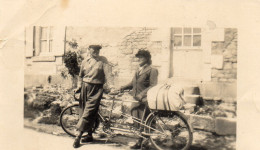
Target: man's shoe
[76, 143]
[136, 146]
[89, 138]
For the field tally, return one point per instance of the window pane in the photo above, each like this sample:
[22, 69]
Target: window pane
[187, 30]
[177, 40]
[196, 40]
[187, 40]
[196, 30]
[44, 33]
[50, 45]
[177, 30]
[44, 46]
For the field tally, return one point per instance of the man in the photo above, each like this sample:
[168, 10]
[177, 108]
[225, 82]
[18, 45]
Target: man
[93, 72]
[144, 78]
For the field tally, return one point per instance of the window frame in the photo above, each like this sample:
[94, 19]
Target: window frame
[182, 34]
[49, 39]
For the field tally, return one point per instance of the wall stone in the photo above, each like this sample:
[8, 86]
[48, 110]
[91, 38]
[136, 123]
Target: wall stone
[227, 48]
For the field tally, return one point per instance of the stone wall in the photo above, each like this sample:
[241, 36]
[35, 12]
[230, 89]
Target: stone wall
[119, 46]
[228, 50]
[223, 82]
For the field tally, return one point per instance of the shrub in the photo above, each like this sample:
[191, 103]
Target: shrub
[70, 60]
[42, 101]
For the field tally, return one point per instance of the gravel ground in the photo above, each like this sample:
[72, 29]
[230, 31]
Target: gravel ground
[201, 140]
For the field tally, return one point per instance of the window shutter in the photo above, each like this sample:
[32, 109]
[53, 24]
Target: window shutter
[29, 41]
[37, 40]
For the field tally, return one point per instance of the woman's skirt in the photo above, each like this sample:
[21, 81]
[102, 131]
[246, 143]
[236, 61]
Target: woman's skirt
[90, 97]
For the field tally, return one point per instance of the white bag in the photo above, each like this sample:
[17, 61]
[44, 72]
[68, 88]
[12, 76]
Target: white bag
[165, 97]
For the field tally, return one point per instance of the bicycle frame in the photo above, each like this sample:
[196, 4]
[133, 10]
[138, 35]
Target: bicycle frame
[140, 122]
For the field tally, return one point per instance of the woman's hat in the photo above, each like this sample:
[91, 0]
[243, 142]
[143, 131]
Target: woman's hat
[143, 53]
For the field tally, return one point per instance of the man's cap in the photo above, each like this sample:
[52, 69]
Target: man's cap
[95, 47]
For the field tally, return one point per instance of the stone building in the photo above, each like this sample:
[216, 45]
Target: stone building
[202, 57]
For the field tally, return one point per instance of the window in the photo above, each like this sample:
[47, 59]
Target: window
[46, 39]
[186, 37]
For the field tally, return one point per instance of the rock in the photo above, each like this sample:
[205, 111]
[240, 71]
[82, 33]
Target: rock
[29, 98]
[202, 122]
[227, 65]
[56, 103]
[234, 60]
[67, 97]
[217, 99]
[30, 113]
[190, 108]
[230, 114]
[234, 65]
[225, 126]
[39, 86]
[64, 104]
[42, 101]
[55, 109]
[231, 80]
[219, 113]
[49, 119]
[126, 107]
[227, 107]
[227, 54]
[223, 80]
[214, 79]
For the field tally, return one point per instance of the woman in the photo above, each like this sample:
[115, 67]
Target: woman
[93, 72]
[145, 78]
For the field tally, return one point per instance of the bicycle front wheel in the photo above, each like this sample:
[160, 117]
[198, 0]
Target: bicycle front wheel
[69, 118]
[169, 130]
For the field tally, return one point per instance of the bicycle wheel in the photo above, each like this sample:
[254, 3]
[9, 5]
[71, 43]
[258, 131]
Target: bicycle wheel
[169, 130]
[69, 118]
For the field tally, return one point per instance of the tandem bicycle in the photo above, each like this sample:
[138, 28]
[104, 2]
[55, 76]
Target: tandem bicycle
[165, 130]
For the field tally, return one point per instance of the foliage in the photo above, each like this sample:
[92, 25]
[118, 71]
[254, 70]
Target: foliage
[70, 60]
[43, 101]
[73, 44]
[217, 110]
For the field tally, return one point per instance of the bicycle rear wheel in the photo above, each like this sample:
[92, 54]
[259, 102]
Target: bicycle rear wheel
[170, 131]
[69, 118]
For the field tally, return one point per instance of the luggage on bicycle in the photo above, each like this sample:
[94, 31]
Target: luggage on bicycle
[165, 97]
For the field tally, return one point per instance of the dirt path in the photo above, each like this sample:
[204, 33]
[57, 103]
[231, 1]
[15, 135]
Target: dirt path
[201, 140]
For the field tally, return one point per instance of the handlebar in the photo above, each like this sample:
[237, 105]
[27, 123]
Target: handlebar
[112, 96]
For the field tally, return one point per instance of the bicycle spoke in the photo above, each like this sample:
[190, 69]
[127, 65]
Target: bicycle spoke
[176, 134]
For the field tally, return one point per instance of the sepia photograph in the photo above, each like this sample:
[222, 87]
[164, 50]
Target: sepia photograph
[159, 88]
[122, 75]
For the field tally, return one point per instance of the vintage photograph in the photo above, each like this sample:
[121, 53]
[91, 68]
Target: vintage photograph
[160, 88]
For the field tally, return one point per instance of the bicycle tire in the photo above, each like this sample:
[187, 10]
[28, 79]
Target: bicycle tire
[68, 121]
[176, 124]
